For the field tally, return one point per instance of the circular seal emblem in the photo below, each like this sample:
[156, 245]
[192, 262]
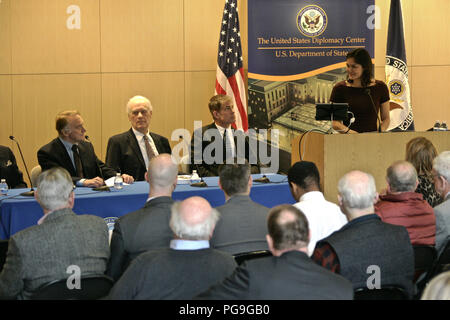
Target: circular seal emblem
[396, 87]
[312, 21]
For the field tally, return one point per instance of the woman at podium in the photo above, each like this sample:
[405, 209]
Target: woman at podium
[368, 99]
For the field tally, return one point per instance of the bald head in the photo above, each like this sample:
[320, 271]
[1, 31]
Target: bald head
[193, 219]
[402, 177]
[162, 173]
[357, 190]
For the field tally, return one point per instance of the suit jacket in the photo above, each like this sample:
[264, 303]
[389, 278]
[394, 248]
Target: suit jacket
[124, 155]
[168, 274]
[242, 226]
[9, 169]
[42, 253]
[206, 136]
[442, 212]
[54, 154]
[292, 276]
[139, 231]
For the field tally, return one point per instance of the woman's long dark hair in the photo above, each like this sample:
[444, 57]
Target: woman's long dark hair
[362, 57]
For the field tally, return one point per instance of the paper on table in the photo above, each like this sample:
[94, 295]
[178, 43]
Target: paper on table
[110, 182]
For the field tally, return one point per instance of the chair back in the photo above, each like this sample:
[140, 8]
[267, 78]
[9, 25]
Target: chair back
[384, 293]
[34, 174]
[245, 256]
[424, 259]
[3, 252]
[442, 263]
[91, 288]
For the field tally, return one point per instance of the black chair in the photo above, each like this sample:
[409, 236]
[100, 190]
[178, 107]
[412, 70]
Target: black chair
[92, 288]
[424, 259]
[384, 293]
[3, 252]
[442, 263]
[245, 256]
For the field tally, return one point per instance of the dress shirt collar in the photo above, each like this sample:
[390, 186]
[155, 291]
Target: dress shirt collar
[179, 244]
[222, 129]
[140, 134]
[312, 195]
[66, 144]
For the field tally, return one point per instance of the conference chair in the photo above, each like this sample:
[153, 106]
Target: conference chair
[245, 256]
[424, 259]
[3, 252]
[91, 288]
[384, 293]
[442, 263]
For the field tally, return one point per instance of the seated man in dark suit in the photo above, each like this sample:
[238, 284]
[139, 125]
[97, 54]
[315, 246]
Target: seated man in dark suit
[214, 143]
[289, 273]
[71, 151]
[9, 170]
[242, 225]
[185, 269]
[42, 253]
[368, 252]
[129, 152]
[146, 228]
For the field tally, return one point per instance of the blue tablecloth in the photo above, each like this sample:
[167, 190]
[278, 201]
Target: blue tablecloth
[19, 212]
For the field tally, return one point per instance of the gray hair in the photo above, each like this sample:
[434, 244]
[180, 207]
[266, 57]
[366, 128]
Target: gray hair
[199, 231]
[402, 176]
[54, 187]
[136, 100]
[234, 177]
[441, 164]
[357, 190]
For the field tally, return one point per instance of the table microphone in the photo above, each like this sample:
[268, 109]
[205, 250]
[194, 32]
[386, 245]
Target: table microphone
[31, 192]
[102, 188]
[263, 179]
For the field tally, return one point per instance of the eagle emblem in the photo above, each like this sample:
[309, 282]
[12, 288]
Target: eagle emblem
[312, 21]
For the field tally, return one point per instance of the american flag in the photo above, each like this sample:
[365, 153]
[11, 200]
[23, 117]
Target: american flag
[230, 73]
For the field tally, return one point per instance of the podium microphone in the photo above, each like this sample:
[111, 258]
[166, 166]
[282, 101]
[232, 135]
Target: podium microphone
[374, 109]
[31, 192]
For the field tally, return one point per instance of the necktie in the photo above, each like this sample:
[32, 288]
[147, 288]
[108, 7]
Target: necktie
[148, 148]
[227, 147]
[77, 160]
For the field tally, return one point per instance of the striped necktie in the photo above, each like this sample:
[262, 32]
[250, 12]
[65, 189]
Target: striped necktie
[149, 149]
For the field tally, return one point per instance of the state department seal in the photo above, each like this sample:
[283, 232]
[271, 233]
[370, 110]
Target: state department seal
[312, 21]
[396, 87]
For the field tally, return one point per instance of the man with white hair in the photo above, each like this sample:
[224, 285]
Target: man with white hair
[42, 253]
[366, 250]
[148, 227]
[441, 177]
[401, 205]
[130, 152]
[185, 269]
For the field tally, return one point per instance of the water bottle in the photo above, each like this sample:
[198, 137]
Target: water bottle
[437, 126]
[3, 187]
[118, 182]
[195, 177]
[443, 126]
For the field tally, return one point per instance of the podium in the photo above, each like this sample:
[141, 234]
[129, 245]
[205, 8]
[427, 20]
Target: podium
[372, 152]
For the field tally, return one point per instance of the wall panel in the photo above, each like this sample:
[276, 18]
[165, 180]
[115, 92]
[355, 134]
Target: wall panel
[142, 35]
[6, 128]
[5, 37]
[42, 43]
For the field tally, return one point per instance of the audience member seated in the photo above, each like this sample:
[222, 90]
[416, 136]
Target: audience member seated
[366, 243]
[148, 227]
[185, 269]
[420, 152]
[43, 253]
[129, 152]
[402, 206]
[324, 217]
[71, 151]
[289, 273]
[9, 170]
[242, 224]
[438, 288]
[211, 145]
[441, 176]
